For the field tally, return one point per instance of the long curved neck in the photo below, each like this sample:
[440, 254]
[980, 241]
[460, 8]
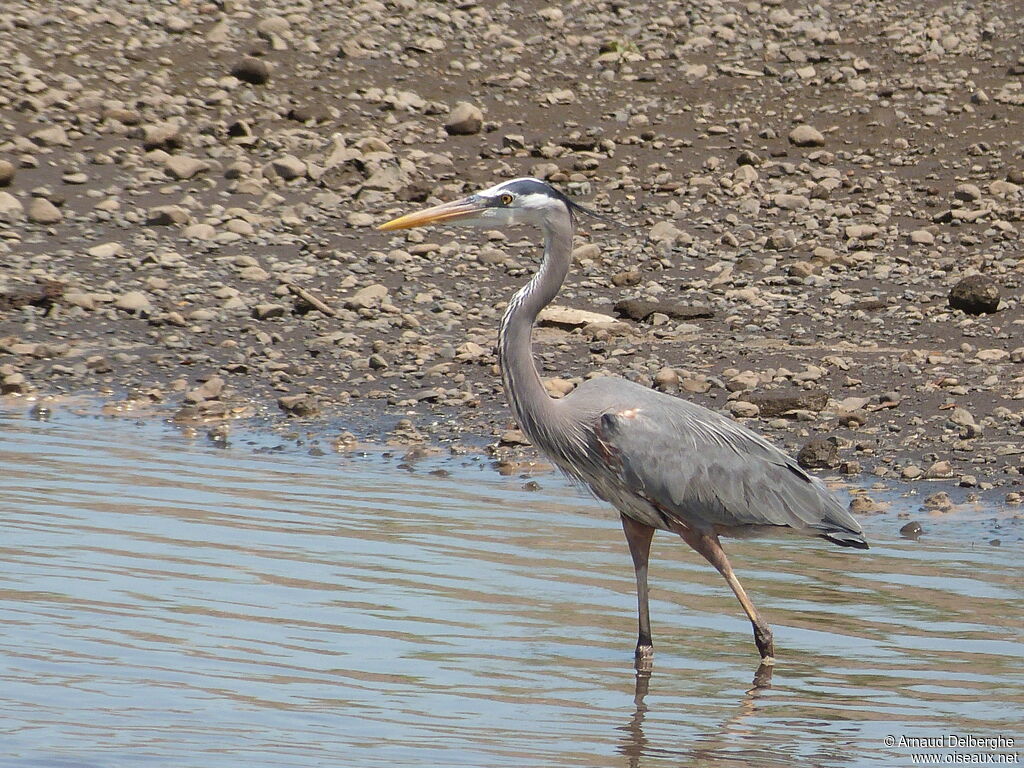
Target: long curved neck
[531, 405]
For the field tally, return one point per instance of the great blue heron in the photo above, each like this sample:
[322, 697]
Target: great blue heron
[662, 462]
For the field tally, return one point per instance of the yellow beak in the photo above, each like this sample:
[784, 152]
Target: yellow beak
[444, 212]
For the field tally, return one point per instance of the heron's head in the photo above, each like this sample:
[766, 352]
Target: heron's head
[519, 201]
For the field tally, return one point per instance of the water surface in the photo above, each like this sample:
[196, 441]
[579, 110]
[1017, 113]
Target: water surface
[168, 603]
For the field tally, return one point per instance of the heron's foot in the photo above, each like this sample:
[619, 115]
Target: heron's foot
[644, 657]
[765, 644]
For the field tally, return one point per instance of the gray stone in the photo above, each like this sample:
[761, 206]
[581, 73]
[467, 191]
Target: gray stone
[268, 311]
[52, 136]
[806, 136]
[773, 404]
[791, 202]
[134, 302]
[464, 120]
[211, 389]
[42, 211]
[967, 192]
[818, 454]
[299, 405]
[975, 295]
[164, 136]
[10, 206]
[640, 310]
[912, 530]
[370, 296]
[288, 167]
[743, 410]
[199, 231]
[105, 250]
[567, 317]
[167, 215]
[251, 70]
[182, 167]
[6, 173]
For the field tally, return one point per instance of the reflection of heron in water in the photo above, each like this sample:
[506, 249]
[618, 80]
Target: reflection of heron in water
[636, 745]
[664, 463]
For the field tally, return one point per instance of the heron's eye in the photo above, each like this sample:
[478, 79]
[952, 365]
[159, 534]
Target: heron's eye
[506, 199]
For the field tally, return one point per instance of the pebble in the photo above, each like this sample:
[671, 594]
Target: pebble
[211, 389]
[773, 404]
[912, 530]
[288, 167]
[780, 239]
[7, 172]
[42, 211]
[791, 202]
[302, 405]
[939, 470]
[818, 453]
[967, 192]
[567, 317]
[465, 120]
[806, 136]
[183, 167]
[740, 408]
[251, 70]
[939, 502]
[167, 215]
[134, 302]
[166, 136]
[666, 380]
[975, 295]
[106, 251]
[862, 504]
[267, 311]
[370, 296]
[10, 206]
[53, 135]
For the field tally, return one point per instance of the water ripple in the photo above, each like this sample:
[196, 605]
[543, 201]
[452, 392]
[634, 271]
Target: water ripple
[168, 603]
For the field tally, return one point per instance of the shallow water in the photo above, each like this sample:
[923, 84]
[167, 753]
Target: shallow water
[165, 602]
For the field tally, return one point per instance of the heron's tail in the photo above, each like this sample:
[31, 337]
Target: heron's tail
[846, 539]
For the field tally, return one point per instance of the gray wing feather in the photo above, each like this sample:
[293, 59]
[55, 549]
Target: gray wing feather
[701, 467]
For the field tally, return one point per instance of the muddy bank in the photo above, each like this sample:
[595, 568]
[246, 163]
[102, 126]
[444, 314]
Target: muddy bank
[188, 194]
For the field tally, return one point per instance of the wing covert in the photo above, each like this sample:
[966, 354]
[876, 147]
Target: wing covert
[699, 466]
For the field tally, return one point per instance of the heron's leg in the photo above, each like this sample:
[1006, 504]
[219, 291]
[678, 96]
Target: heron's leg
[707, 544]
[638, 537]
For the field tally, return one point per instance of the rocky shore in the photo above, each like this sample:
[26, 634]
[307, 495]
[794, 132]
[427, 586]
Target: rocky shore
[821, 212]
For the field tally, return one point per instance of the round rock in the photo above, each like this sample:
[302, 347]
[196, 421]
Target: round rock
[465, 120]
[975, 295]
[6, 173]
[818, 454]
[42, 211]
[251, 70]
[806, 136]
[911, 530]
[134, 302]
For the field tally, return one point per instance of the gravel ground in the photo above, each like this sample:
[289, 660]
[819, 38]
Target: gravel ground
[821, 210]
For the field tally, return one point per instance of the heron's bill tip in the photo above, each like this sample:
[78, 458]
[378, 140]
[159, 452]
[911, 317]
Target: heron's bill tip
[399, 223]
[438, 213]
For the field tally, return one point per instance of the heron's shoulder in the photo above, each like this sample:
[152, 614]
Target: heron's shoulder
[632, 413]
[610, 386]
[611, 394]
